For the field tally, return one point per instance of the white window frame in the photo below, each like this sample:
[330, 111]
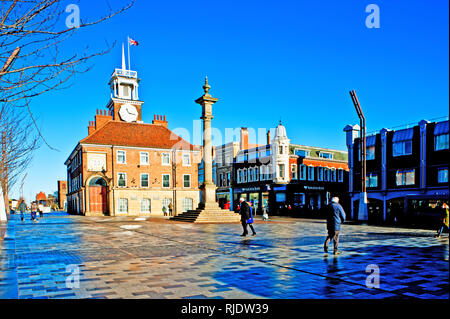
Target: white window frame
[162, 181]
[183, 156]
[124, 156]
[294, 169]
[320, 173]
[119, 206]
[149, 205]
[162, 159]
[189, 180]
[311, 170]
[340, 175]
[140, 158]
[323, 153]
[326, 174]
[302, 172]
[118, 179]
[281, 171]
[184, 204]
[148, 180]
[333, 175]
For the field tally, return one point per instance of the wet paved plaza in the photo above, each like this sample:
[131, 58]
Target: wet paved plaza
[121, 257]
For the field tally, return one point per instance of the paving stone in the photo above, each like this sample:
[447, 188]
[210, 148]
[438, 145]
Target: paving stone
[164, 260]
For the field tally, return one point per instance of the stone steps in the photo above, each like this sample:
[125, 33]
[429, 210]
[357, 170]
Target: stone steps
[208, 216]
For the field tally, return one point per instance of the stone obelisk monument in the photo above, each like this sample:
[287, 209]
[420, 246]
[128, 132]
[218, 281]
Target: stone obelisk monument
[208, 189]
[209, 210]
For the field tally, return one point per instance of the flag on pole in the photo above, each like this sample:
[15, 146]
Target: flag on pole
[133, 42]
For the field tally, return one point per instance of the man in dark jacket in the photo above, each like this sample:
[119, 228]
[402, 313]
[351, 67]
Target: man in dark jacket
[22, 209]
[335, 217]
[244, 210]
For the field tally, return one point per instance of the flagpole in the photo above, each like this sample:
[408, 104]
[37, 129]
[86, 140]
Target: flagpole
[129, 64]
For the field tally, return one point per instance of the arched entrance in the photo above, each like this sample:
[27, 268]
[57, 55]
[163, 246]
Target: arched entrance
[98, 202]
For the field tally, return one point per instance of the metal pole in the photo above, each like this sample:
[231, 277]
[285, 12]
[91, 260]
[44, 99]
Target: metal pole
[362, 215]
[128, 42]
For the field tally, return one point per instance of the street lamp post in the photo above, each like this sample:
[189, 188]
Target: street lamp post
[362, 212]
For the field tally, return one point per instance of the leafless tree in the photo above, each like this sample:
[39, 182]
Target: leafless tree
[33, 34]
[38, 30]
[18, 141]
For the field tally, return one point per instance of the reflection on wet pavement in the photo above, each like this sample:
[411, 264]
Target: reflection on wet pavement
[66, 256]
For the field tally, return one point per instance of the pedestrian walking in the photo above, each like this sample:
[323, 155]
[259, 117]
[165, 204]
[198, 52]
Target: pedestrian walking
[444, 220]
[250, 220]
[265, 213]
[22, 208]
[34, 209]
[244, 211]
[170, 209]
[335, 217]
[164, 209]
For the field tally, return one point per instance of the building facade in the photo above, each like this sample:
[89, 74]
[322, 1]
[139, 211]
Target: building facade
[62, 195]
[127, 167]
[407, 172]
[290, 179]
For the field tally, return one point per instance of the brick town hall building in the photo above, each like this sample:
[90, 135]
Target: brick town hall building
[127, 167]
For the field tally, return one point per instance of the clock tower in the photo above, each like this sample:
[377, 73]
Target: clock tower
[125, 104]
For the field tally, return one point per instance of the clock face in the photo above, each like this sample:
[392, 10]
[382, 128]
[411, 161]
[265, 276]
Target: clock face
[128, 113]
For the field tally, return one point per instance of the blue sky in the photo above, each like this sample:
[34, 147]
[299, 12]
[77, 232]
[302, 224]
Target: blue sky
[265, 61]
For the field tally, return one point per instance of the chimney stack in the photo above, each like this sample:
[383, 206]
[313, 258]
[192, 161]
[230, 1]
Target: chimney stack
[268, 137]
[244, 138]
[159, 120]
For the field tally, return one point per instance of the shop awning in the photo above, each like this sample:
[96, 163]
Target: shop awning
[441, 128]
[403, 135]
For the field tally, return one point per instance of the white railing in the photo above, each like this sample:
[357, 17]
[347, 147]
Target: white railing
[126, 73]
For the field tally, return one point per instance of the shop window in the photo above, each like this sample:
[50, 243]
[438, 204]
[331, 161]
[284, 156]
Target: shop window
[299, 198]
[280, 197]
[443, 175]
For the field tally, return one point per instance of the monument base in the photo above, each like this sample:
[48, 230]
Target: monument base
[208, 214]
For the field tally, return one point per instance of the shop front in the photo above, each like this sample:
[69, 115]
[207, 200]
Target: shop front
[257, 196]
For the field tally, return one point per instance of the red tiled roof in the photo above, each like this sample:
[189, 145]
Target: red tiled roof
[41, 196]
[137, 135]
